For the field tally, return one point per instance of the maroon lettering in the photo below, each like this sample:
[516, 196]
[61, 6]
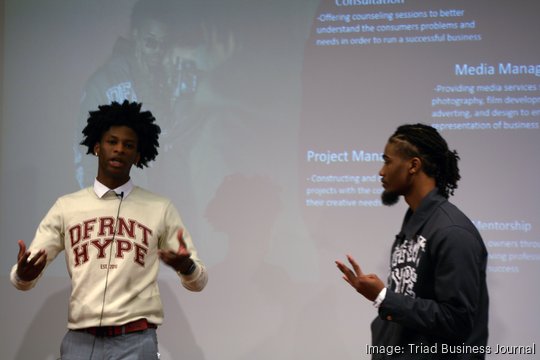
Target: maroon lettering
[75, 234]
[106, 226]
[121, 247]
[88, 226]
[101, 247]
[98, 236]
[123, 228]
[140, 254]
[81, 254]
[146, 232]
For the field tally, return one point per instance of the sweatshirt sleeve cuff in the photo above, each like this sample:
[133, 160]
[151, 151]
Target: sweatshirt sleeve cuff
[380, 298]
[197, 280]
[18, 283]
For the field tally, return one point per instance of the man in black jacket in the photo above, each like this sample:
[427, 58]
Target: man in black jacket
[435, 305]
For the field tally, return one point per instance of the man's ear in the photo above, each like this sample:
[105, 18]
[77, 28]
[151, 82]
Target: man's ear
[415, 166]
[96, 149]
[138, 159]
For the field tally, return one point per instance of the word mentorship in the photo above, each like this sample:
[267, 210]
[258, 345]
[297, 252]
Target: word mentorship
[446, 349]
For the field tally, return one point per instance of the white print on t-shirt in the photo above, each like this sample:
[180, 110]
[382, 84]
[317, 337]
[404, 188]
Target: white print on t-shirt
[405, 259]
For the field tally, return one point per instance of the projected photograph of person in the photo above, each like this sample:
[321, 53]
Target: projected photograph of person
[160, 63]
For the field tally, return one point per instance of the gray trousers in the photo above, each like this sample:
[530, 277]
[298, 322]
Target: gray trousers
[141, 345]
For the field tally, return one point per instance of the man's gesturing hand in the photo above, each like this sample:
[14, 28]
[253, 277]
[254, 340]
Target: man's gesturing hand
[368, 285]
[28, 270]
[180, 260]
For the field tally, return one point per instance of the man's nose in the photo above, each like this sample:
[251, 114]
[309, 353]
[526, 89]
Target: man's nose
[119, 148]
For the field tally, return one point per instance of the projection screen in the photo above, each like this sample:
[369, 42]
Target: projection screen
[274, 117]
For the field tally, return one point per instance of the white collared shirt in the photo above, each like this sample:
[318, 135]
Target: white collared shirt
[124, 189]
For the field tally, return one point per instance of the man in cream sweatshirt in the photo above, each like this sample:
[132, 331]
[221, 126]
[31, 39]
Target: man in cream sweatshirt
[113, 235]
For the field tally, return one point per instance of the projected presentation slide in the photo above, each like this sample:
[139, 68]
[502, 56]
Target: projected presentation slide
[274, 117]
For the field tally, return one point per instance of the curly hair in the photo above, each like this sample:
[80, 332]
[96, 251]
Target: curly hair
[126, 114]
[425, 142]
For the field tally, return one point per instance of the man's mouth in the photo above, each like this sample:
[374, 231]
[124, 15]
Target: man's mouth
[116, 162]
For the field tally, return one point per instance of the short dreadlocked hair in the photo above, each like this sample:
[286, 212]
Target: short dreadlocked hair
[425, 142]
[126, 114]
